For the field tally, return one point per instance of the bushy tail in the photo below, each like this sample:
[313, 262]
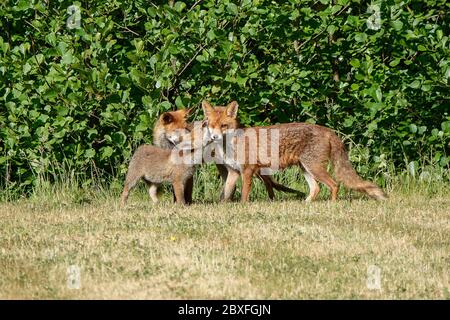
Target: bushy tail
[347, 175]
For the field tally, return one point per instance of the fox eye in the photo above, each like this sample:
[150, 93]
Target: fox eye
[204, 124]
[224, 126]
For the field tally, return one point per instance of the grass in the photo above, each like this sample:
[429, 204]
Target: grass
[286, 249]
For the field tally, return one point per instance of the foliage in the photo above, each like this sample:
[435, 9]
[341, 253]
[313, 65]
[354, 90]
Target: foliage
[84, 97]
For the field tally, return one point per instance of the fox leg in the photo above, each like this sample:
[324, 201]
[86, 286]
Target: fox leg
[268, 184]
[124, 197]
[178, 187]
[153, 191]
[223, 171]
[187, 191]
[320, 173]
[230, 184]
[188, 188]
[173, 194]
[246, 184]
[313, 186]
[268, 179]
[280, 187]
[130, 182]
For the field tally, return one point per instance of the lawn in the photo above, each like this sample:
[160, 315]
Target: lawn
[356, 248]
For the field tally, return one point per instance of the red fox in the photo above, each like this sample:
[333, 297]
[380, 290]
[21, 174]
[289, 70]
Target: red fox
[156, 165]
[168, 132]
[306, 145]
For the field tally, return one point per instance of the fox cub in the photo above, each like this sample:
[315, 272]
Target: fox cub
[167, 134]
[156, 165]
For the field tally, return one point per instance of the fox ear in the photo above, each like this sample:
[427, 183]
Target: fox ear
[166, 118]
[187, 112]
[207, 108]
[232, 109]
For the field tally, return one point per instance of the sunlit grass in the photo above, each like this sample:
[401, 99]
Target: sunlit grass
[285, 249]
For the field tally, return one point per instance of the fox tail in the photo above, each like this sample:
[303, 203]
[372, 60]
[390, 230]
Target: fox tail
[347, 175]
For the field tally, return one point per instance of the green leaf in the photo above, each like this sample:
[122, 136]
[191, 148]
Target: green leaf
[241, 81]
[107, 152]
[67, 58]
[119, 137]
[379, 95]
[152, 11]
[303, 73]
[295, 87]
[421, 48]
[211, 35]
[361, 37]
[179, 102]
[89, 153]
[397, 25]
[23, 5]
[141, 127]
[445, 126]
[415, 84]
[348, 122]
[165, 105]
[26, 68]
[331, 29]
[394, 62]
[274, 69]
[232, 8]
[179, 6]
[355, 63]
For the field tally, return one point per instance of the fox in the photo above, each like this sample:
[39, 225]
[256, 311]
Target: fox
[173, 125]
[309, 146]
[156, 165]
[168, 131]
[170, 127]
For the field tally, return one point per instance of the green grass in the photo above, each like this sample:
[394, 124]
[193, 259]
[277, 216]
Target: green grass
[286, 249]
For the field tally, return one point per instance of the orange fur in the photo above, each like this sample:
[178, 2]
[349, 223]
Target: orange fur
[224, 118]
[306, 145]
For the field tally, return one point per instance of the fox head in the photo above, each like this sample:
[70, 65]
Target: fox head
[172, 125]
[220, 119]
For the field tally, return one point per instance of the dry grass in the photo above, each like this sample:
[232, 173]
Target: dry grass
[282, 250]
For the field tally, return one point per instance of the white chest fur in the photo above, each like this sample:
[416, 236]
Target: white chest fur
[230, 157]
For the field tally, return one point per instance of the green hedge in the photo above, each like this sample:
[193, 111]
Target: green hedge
[85, 97]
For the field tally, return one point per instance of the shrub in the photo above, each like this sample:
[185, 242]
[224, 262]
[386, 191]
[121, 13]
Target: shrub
[84, 97]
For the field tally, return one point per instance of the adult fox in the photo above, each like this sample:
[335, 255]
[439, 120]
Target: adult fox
[173, 125]
[306, 145]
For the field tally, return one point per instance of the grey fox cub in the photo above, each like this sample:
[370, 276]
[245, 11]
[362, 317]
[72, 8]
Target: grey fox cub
[156, 165]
